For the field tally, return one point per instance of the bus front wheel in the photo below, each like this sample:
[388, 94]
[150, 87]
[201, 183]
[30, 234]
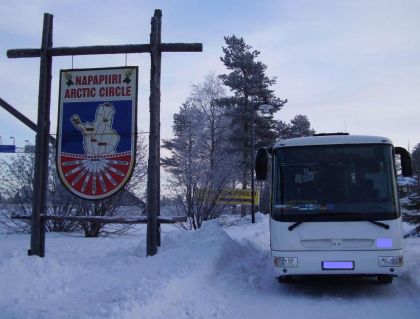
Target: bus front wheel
[284, 279]
[385, 279]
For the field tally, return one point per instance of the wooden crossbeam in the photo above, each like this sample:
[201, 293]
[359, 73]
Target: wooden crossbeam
[106, 220]
[105, 49]
[22, 118]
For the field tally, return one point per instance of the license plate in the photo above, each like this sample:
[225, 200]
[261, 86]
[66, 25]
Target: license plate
[338, 265]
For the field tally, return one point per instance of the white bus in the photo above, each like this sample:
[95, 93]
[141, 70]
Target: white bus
[334, 205]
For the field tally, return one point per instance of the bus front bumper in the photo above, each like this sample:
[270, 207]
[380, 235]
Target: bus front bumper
[377, 262]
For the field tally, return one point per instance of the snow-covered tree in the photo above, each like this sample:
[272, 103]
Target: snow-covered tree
[184, 164]
[200, 163]
[413, 215]
[17, 188]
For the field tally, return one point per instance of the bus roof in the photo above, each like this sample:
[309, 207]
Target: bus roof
[331, 140]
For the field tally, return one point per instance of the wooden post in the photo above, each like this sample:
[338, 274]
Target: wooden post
[42, 137]
[153, 171]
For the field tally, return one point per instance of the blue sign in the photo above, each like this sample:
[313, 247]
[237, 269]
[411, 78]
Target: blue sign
[7, 149]
[97, 130]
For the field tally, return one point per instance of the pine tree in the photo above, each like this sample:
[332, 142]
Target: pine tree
[415, 155]
[251, 87]
[299, 126]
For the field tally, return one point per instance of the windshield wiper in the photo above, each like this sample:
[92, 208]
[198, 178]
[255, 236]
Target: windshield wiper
[291, 227]
[383, 225]
[314, 217]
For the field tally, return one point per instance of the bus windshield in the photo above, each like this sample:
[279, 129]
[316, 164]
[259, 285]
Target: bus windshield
[355, 181]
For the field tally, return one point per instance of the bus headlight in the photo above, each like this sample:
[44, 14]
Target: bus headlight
[285, 262]
[390, 261]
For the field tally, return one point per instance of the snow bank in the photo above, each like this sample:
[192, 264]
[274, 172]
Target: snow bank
[222, 270]
[111, 278]
[412, 262]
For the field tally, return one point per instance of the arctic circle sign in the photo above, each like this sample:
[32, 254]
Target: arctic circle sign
[97, 130]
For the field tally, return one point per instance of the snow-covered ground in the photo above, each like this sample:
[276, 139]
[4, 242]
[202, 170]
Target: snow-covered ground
[220, 271]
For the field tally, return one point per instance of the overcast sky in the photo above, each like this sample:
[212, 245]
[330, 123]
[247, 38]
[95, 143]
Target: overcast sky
[347, 65]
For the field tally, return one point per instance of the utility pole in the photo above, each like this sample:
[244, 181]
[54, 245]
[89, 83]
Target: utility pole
[252, 166]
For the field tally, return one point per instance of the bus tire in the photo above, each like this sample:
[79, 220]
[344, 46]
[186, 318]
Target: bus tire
[385, 279]
[284, 279]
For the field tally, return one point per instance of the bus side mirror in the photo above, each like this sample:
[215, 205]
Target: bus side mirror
[261, 164]
[406, 165]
